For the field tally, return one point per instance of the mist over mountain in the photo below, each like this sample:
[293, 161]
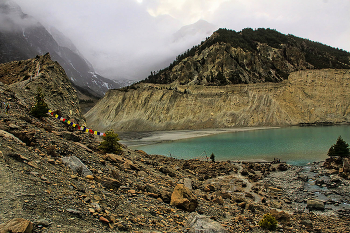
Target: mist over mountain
[194, 32]
[119, 64]
[22, 37]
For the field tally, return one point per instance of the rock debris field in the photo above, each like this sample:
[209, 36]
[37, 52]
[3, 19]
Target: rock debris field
[58, 180]
[54, 178]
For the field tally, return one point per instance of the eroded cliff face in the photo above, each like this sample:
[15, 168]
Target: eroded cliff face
[222, 64]
[306, 97]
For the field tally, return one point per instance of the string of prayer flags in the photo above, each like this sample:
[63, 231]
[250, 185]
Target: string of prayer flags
[82, 128]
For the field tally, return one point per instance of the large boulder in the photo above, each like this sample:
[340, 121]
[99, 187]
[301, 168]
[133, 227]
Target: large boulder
[18, 225]
[315, 204]
[76, 165]
[183, 198]
[202, 223]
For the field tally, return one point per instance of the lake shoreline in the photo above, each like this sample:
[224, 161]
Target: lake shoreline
[134, 139]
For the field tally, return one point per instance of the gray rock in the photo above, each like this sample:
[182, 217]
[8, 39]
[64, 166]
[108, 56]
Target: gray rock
[76, 165]
[73, 211]
[315, 204]
[187, 183]
[307, 223]
[42, 222]
[201, 223]
[303, 177]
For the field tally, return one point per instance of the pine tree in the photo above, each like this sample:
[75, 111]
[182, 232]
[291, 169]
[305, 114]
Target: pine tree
[110, 143]
[340, 148]
[40, 108]
[212, 157]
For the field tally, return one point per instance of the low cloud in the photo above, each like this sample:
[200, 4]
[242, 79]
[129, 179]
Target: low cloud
[130, 38]
[12, 19]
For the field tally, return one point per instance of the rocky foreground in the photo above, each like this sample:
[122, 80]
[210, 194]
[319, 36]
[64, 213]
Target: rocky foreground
[58, 180]
[55, 179]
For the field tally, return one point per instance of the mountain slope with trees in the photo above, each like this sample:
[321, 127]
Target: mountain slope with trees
[248, 56]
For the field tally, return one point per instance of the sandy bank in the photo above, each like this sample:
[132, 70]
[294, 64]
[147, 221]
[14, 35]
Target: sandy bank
[133, 139]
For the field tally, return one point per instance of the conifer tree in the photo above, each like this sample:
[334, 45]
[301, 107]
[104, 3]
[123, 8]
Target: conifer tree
[212, 157]
[110, 143]
[340, 148]
[40, 108]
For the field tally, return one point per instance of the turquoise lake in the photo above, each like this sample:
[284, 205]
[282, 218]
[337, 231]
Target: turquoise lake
[294, 145]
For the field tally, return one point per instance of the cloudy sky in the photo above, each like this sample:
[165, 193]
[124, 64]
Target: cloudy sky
[129, 38]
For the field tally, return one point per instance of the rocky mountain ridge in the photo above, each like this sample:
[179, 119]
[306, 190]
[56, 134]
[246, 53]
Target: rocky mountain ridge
[248, 56]
[25, 77]
[22, 37]
[306, 97]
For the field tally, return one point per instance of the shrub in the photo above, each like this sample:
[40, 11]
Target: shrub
[110, 143]
[340, 148]
[40, 108]
[268, 222]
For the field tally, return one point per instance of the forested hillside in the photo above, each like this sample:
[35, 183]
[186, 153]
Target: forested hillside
[249, 56]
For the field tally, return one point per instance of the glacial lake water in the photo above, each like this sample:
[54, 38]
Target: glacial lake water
[294, 145]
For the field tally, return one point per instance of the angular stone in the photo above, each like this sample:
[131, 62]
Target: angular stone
[42, 222]
[151, 188]
[167, 171]
[142, 173]
[280, 215]
[76, 165]
[114, 158]
[18, 225]
[275, 189]
[129, 165]
[315, 204]
[73, 211]
[90, 177]
[183, 198]
[165, 195]
[111, 183]
[209, 188]
[201, 223]
[83, 146]
[188, 183]
[103, 219]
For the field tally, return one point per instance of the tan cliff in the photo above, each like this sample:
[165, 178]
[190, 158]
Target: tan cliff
[306, 97]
